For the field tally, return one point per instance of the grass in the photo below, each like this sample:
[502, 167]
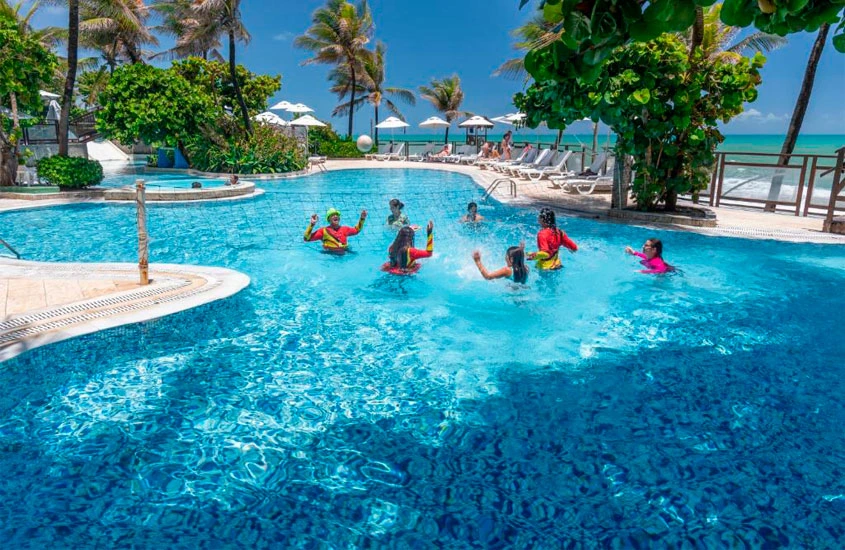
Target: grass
[34, 189]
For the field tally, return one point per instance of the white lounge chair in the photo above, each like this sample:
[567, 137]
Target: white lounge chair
[527, 155]
[540, 160]
[397, 153]
[441, 158]
[602, 184]
[540, 163]
[556, 168]
[463, 150]
[561, 182]
[383, 149]
[419, 157]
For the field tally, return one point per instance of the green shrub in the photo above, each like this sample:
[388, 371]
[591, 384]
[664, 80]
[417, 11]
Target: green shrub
[70, 172]
[266, 151]
[325, 141]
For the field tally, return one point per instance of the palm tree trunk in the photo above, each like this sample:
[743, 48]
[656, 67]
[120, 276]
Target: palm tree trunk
[352, 97]
[595, 142]
[446, 139]
[558, 139]
[697, 31]
[798, 114]
[72, 56]
[233, 72]
[376, 127]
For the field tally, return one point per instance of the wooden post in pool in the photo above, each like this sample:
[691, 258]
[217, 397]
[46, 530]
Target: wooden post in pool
[143, 240]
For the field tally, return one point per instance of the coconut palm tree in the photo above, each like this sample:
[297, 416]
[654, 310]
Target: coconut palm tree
[214, 18]
[446, 96]
[535, 34]
[370, 86]
[70, 78]
[177, 16]
[716, 39]
[117, 28]
[337, 36]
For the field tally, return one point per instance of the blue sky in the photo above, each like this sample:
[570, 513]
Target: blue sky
[471, 38]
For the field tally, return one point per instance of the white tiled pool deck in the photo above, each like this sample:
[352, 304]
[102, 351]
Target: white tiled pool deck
[42, 302]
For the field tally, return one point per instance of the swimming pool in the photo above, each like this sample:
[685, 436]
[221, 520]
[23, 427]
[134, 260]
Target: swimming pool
[330, 404]
[121, 174]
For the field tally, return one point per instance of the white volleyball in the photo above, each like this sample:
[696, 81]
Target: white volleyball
[364, 143]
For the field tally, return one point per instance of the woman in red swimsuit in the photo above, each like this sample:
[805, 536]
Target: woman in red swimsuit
[403, 255]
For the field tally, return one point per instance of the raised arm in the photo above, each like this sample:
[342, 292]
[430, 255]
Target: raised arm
[309, 234]
[498, 274]
[358, 226]
[416, 253]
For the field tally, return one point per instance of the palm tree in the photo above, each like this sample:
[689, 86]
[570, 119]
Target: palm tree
[446, 96]
[177, 16]
[70, 78]
[535, 34]
[716, 39]
[371, 86]
[117, 28]
[337, 36]
[214, 18]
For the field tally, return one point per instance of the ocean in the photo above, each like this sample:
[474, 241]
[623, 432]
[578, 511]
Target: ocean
[814, 144]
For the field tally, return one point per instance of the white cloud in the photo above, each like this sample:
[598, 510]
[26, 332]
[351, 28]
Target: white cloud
[753, 115]
[283, 36]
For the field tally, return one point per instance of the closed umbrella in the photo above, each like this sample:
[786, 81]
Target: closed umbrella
[54, 111]
[306, 121]
[391, 123]
[436, 122]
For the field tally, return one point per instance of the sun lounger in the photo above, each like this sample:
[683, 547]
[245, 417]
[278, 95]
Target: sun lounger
[419, 157]
[592, 173]
[539, 165]
[540, 160]
[463, 150]
[603, 184]
[557, 168]
[397, 154]
[527, 155]
[440, 158]
[383, 149]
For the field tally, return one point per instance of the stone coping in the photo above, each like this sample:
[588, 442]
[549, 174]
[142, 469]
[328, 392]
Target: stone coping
[154, 194]
[709, 219]
[192, 172]
[173, 288]
[95, 192]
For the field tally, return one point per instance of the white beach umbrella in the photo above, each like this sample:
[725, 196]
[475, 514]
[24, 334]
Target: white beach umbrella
[306, 120]
[299, 108]
[435, 122]
[501, 120]
[271, 118]
[516, 118]
[281, 106]
[392, 123]
[48, 95]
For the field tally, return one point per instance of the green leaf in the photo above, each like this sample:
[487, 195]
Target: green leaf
[641, 96]
[738, 13]
[839, 42]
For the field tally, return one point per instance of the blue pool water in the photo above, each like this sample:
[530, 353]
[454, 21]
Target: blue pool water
[121, 174]
[329, 405]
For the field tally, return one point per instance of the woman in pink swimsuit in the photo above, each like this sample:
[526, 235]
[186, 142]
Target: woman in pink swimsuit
[651, 257]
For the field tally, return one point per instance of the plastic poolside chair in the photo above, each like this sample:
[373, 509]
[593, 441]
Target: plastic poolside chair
[541, 158]
[562, 182]
[397, 154]
[384, 155]
[383, 148]
[557, 168]
[527, 155]
[540, 163]
[419, 157]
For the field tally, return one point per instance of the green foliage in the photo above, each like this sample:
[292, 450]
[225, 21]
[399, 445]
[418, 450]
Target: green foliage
[214, 79]
[592, 29]
[70, 172]
[24, 65]
[142, 102]
[266, 151]
[664, 106]
[323, 140]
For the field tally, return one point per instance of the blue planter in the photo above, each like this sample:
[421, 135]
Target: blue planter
[163, 159]
[179, 160]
